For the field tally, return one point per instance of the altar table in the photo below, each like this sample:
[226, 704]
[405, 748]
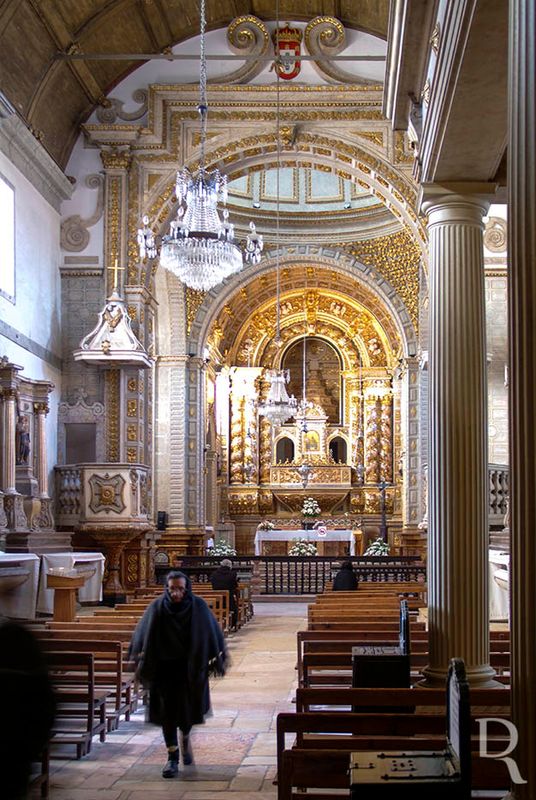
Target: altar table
[262, 537]
[21, 601]
[83, 562]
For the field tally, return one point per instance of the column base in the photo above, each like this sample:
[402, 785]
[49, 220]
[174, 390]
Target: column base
[14, 509]
[480, 677]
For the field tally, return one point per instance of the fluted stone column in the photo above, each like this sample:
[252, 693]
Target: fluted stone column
[8, 449]
[458, 528]
[522, 384]
[41, 410]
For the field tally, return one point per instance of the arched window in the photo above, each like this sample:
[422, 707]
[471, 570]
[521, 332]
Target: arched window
[284, 450]
[338, 450]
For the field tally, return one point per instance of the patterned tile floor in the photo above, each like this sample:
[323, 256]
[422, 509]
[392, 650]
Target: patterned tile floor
[234, 751]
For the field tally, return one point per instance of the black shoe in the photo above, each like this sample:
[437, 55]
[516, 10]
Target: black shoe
[171, 769]
[187, 755]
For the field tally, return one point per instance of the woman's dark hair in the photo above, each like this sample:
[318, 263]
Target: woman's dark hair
[346, 565]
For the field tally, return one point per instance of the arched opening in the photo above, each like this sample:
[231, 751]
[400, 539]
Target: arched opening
[322, 375]
[338, 450]
[284, 450]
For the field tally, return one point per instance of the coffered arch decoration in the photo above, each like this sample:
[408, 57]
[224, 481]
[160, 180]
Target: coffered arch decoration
[344, 157]
[363, 298]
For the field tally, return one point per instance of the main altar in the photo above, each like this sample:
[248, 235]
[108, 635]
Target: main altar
[328, 543]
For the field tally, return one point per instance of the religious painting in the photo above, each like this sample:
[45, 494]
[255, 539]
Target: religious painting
[311, 442]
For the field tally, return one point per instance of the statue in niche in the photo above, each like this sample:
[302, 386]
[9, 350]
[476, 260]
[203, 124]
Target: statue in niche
[22, 440]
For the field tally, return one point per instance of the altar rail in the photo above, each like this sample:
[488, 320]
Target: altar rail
[296, 575]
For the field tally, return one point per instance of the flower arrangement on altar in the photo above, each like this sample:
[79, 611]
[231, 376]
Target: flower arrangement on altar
[300, 547]
[266, 525]
[377, 548]
[310, 507]
[221, 548]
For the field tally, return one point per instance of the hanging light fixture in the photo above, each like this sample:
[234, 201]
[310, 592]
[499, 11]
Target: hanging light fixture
[199, 248]
[279, 407]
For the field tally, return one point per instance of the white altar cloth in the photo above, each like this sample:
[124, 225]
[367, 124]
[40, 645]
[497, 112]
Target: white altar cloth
[91, 591]
[498, 598]
[20, 602]
[309, 536]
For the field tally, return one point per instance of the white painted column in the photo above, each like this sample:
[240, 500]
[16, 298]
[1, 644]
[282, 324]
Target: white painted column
[8, 449]
[458, 528]
[41, 410]
[522, 384]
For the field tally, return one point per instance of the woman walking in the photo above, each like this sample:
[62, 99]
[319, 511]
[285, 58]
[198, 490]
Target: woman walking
[177, 646]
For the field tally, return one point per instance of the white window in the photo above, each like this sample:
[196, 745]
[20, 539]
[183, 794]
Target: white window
[7, 240]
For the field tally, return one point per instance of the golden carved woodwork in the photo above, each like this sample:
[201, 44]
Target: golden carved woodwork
[111, 378]
[397, 258]
[194, 299]
[132, 385]
[243, 503]
[132, 408]
[132, 433]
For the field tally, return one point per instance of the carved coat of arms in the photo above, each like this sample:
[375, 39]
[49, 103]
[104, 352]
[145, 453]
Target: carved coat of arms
[288, 41]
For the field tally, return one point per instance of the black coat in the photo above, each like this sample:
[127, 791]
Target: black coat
[175, 661]
[345, 580]
[225, 578]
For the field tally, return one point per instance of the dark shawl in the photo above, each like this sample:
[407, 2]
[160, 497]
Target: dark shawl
[345, 580]
[188, 634]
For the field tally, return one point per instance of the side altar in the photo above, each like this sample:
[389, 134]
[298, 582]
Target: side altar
[328, 543]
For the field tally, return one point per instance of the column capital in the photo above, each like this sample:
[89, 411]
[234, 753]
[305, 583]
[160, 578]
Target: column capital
[457, 201]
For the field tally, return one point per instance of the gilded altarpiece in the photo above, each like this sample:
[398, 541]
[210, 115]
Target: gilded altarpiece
[176, 326]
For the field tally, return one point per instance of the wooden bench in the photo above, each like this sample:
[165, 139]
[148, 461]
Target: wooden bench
[325, 739]
[110, 676]
[81, 709]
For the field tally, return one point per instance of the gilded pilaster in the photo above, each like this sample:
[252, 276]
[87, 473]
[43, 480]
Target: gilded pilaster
[522, 384]
[116, 165]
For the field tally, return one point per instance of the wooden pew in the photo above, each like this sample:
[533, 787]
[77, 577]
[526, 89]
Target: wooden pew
[81, 709]
[109, 672]
[335, 668]
[320, 758]
[306, 768]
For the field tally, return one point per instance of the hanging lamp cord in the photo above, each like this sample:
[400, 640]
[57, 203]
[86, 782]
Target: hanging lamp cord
[203, 102]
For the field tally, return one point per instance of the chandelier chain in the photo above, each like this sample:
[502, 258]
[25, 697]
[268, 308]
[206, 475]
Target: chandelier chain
[203, 101]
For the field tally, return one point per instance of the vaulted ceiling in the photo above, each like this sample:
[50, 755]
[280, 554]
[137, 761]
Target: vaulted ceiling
[55, 95]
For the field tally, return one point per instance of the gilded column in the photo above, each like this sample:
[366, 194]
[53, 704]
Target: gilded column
[372, 438]
[386, 438]
[458, 526]
[237, 444]
[522, 384]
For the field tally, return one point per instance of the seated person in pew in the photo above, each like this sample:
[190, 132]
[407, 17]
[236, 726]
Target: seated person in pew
[345, 579]
[177, 645]
[225, 578]
[28, 707]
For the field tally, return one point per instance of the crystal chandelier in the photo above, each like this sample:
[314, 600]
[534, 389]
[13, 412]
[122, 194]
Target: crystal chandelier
[278, 406]
[199, 248]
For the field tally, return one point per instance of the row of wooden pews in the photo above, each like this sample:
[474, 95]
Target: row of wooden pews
[333, 719]
[93, 680]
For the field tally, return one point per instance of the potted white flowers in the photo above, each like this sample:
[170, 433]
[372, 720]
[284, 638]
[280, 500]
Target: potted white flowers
[302, 548]
[377, 548]
[221, 548]
[266, 525]
[310, 510]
